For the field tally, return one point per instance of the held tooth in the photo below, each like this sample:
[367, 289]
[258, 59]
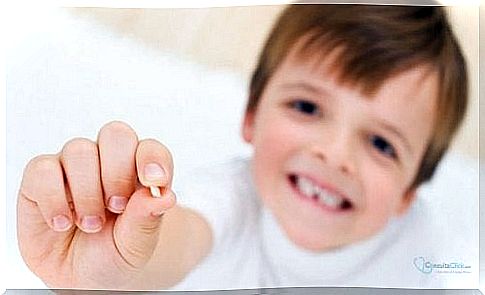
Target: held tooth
[155, 191]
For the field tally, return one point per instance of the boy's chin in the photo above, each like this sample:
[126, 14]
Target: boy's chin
[319, 244]
[312, 242]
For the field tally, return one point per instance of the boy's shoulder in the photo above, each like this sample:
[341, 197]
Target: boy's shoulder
[223, 194]
[222, 176]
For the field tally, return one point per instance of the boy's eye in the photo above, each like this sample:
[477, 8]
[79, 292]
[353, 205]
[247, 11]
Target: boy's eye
[304, 106]
[383, 146]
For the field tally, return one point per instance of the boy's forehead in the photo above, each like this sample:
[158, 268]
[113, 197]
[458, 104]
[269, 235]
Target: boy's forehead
[318, 62]
[328, 64]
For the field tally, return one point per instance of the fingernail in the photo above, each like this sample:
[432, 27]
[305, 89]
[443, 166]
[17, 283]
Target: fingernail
[117, 204]
[91, 224]
[154, 172]
[61, 223]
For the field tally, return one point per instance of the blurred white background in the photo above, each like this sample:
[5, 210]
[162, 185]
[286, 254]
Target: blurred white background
[230, 38]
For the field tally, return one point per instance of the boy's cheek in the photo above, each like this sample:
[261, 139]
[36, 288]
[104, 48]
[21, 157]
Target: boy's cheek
[281, 131]
[270, 133]
[376, 212]
[381, 205]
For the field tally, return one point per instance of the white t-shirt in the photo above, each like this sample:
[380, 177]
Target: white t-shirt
[250, 250]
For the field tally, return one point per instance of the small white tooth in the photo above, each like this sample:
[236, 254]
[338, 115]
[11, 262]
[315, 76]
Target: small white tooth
[305, 186]
[308, 189]
[329, 200]
[332, 202]
[322, 198]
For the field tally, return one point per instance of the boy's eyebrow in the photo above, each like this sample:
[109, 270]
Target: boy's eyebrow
[308, 87]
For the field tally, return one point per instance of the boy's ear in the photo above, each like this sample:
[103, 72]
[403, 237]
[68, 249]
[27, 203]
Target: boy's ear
[406, 201]
[247, 127]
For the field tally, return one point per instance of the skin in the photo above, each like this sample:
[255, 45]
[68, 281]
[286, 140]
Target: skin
[145, 243]
[308, 124]
[131, 246]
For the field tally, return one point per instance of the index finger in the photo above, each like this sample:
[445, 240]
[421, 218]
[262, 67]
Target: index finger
[117, 143]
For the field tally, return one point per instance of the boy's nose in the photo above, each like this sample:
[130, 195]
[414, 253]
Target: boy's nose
[336, 151]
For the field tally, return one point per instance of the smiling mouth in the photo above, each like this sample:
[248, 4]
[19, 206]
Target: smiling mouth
[321, 196]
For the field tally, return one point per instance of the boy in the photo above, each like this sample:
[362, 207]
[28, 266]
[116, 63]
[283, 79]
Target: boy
[350, 110]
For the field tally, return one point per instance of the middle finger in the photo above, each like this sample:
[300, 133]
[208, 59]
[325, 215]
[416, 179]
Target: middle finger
[79, 158]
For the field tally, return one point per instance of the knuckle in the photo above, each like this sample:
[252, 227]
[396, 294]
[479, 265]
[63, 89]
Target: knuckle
[80, 146]
[34, 177]
[42, 164]
[117, 128]
[151, 143]
[168, 153]
[122, 182]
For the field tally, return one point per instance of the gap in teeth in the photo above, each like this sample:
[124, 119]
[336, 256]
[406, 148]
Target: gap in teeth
[309, 189]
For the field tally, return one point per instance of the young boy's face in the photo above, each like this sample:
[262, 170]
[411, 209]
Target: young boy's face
[332, 164]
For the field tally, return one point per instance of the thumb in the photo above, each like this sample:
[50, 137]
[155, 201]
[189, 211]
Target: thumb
[136, 231]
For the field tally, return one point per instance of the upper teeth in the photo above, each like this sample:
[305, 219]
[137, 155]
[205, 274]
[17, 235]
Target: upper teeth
[308, 188]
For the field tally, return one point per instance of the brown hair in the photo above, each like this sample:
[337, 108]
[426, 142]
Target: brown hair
[376, 42]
